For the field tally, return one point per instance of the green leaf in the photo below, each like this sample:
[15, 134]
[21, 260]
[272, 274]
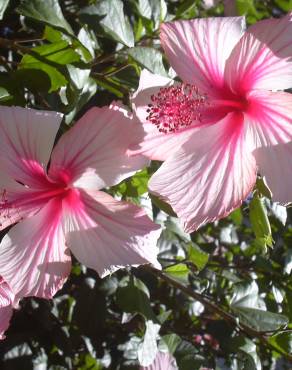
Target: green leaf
[171, 341]
[144, 8]
[4, 94]
[109, 85]
[260, 223]
[159, 11]
[3, 6]
[251, 309]
[285, 5]
[81, 44]
[282, 341]
[246, 7]
[78, 93]
[109, 14]
[38, 78]
[179, 271]
[187, 357]
[133, 299]
[247, 295]
[48, 12]
[198, 257]
[260, 320]
[247, 351]
[149, 58]
[236, 216]
[58, 52]
[186, 7]
[263, 187]
[56, 78]
[165, 207]
[133, 186]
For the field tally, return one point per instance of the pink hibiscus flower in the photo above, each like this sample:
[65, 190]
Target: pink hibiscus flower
[225, 121]
[163, 361]
[58, 200]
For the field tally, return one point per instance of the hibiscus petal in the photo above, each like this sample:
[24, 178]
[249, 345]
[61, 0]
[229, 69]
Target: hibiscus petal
[198, 49]
[269, 120]
[26, 140]
[105, 234]
[275, 164]
[155, 145]
[34, 260]
[6, 310]
[263, 57]
[93, 154]
[163, 361]
[210, 176]
[269, 117]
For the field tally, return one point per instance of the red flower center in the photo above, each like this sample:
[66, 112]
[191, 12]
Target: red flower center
[175, 107]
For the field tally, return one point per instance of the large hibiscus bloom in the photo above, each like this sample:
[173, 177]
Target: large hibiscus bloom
[225, 121]
[58, 200]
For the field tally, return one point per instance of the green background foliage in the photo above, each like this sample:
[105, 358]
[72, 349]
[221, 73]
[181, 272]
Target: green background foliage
[224, 298]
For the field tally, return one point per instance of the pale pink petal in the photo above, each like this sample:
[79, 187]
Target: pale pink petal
[198, 49]
[34, 260]
[269, 120]
[26, 140]
[269, 117]
[275, 164]
[263, 57]
[93, 154]
[6, 310]
[105, 234]
[163, 361]
[210, 176]
[159, 146]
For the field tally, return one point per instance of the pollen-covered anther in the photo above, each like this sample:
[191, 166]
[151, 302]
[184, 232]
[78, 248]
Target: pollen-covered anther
[175, 107]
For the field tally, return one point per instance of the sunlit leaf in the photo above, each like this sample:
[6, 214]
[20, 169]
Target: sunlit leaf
[3, 6]
[48, 12]
[109, 14]
[149, 58]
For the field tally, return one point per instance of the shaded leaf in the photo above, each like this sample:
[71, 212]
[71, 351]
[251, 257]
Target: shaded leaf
[261, 320]
[133, 299]
[56, 78]
[165, 207]
[282, 341]
[248, 358]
